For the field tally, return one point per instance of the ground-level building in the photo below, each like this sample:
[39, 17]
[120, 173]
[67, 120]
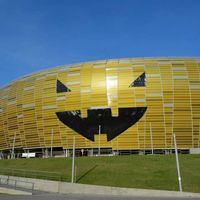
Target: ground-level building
[133, 104]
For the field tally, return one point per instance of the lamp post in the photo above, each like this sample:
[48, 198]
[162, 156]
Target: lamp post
[73, 160]
[177, 164]
[99, 149]
[13, 147]
[51, 142]
[151, 139]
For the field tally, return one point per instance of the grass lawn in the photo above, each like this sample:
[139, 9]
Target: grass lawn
[136, 171]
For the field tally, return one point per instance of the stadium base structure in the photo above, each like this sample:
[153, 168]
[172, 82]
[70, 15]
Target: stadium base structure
[59, 152]
[119, 105]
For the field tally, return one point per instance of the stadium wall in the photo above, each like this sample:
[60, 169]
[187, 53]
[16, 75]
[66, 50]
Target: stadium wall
[122, 104]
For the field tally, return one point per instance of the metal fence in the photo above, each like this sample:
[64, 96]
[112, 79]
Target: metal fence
[34, 174]
[17, 184]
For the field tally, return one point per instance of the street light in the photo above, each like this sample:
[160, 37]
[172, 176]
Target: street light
[13, 147]
[99, 150]
[177, 164]
[73, 160]
[51, 142]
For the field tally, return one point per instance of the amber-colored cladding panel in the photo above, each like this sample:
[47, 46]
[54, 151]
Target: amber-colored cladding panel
[171, 94]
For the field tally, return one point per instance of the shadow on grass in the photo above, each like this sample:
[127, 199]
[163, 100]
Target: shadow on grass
[86, 173]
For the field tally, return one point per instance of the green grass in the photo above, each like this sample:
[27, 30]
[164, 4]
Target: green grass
[135, 171]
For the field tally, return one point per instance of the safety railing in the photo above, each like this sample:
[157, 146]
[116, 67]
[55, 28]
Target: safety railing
[34, 174]
[17, 184]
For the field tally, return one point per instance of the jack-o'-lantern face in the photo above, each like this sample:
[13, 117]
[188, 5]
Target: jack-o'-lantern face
[101, 120]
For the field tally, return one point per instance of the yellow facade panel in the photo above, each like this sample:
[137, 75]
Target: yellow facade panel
[137, 102]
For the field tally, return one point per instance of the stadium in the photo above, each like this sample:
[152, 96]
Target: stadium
[130, 105]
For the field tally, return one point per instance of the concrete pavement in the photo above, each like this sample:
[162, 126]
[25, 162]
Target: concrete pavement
[88, 197]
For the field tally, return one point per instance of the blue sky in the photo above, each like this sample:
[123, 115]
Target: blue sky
[40, 34]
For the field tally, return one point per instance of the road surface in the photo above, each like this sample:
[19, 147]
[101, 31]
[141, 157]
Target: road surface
[85, 197]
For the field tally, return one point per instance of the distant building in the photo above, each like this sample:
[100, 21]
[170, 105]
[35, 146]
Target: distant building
[120, 105]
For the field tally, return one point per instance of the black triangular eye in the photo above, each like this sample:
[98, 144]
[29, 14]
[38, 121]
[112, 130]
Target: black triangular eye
[139, 82]
[60, 87]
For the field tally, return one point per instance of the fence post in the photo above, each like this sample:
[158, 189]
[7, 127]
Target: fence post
[32, 187]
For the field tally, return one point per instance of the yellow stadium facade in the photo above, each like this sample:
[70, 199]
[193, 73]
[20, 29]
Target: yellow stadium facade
[121, 104]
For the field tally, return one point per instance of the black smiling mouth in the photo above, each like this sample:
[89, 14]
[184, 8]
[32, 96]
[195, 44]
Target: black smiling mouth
[101, 120]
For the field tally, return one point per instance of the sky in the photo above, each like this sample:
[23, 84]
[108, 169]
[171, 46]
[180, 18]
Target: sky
[41, 34]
